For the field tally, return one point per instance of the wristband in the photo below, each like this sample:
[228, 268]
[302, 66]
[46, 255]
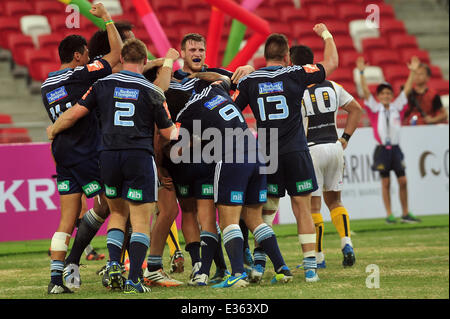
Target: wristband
[168, 63]
[109, 22]
[346, 137]
[326, 35]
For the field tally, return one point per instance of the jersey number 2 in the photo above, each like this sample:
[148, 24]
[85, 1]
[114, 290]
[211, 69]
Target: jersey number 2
[125, 110]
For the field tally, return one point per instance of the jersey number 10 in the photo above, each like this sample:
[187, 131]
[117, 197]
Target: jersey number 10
[323, 100]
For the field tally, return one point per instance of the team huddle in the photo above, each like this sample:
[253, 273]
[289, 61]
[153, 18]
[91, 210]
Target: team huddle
[143, 139]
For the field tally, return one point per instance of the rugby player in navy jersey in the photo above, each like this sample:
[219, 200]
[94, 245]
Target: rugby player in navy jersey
[75, 151]
[274, 94]
[239, 185]
[129, 108]
[321, 103]
[193, 52]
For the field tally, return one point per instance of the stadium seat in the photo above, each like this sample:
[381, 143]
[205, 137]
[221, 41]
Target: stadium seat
[359, 30]
[342, 75]
[45, 68]
[5, 119]
[128, 7]
[14, 135]
[177, 18]
[18, 44]
[348, 58]
[113, 6]
[309, 3]
[311, 41]
[337, 27]
[282, 4]
[393, 73]
[271, 15]
[339, 2]
[164, 6]
[18, 9]
[344, 43]
[202, 17]
[183, 30]
[8, 25]
[193, 5]
[292, 15]
[35, 25]
[48, 8]
[321, 13]
[283, 28]
[303, 29]
[399, 41]
[386, 11]
[34, 57]
[383, 58]
[372, 74]
[407, 53]
[57, 22]
[436, 72]
[142, 34]
[440, 85]
[348, 12]
[259, 63]
[50, 41]
[374, 43]
[389, 27]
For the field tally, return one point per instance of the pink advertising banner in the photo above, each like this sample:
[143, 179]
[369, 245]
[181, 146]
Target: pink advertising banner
[29, 200]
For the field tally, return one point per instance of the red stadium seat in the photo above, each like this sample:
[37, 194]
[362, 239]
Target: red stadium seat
[128, 7]
[344, 43]
[259, 63]
[407, 53]
[292, 15]
[399, 41]
[311, 41]
[389, 27]
[34, 57]
[50, 41]
[321, 13]
[337, 27]
[45, 68]
[163, 6]
[8, 25]
[48, 8]
[282, 4]
[393, 73]
[342, 75]
[202, 17]
[374, 43]
[349, 86]
[14, 135]
[5, 119]
[339, 2]
[383, 57]
[436, 72]
[57, 22]
[191, 29]
[348, 58]
[349, 12]
[271, 15]
[303, 29]
[18, 43]
[142, 34]
[308, 3]
[193, 5]
[177, 18]
[386, 11]
[18, 9]
[440, 85]
[283, 28]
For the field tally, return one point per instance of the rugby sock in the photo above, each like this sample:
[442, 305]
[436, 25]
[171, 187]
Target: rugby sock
[87, 229]
[266, 239]
[56, 272]
[234, 243]
[172, 239]
[219, 258]
[319, 225]
[139, 244]
[114, 242]
[340, 219]
[309, 263]
[154, 262]
[308, 239]
[259, 257]
[244, 230]
[194, 251]
[208, 247]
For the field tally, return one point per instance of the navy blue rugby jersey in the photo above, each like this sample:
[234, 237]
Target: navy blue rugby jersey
[214, 108]
[275, 97]
[62, 90]
[129, 107]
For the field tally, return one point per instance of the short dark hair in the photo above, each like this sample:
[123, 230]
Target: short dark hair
[99, 43]
[276, 47]
[426, 67]
[192, 37]
[69, 45]
[301, 55]
[383, 86]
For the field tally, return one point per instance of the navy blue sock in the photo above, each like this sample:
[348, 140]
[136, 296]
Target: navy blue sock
[244, 230]
[259, 256]
[234, 245]
[139, 244]
[209, 247]
[114, 242]
[154, 262]
[56, 272]
[266, 239]
[194, 251]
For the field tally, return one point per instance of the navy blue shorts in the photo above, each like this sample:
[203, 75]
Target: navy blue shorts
[387, 159]
[129, 174]
[240, 184]
[81, 178]
[295, 174]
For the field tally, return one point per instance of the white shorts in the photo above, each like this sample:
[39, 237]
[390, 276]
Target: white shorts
[328, 162]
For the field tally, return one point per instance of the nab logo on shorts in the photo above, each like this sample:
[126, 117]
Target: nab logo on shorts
[63, 186]
[304, 186]
[263, 196]
[134, 194]
[207, 190]
[237, 197]
[91, 188]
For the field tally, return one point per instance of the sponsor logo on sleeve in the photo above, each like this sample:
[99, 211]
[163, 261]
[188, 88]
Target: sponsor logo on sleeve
[95, 66]
[56, 95]
[127, 94]
[269, 87]
[311, 68]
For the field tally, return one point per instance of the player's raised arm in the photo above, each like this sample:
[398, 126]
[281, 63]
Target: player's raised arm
[165, 73]
[361, 65]
[115, 41]
[413, 67]
[331, 57]
[66, 120]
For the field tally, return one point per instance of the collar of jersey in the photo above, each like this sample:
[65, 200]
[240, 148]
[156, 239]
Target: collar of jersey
[59, 72]
[132, 74]
[272, 68]
[181, 75]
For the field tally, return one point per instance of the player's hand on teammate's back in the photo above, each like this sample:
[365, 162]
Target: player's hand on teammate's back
[99, 11]
[172, 54]
[241, 72]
